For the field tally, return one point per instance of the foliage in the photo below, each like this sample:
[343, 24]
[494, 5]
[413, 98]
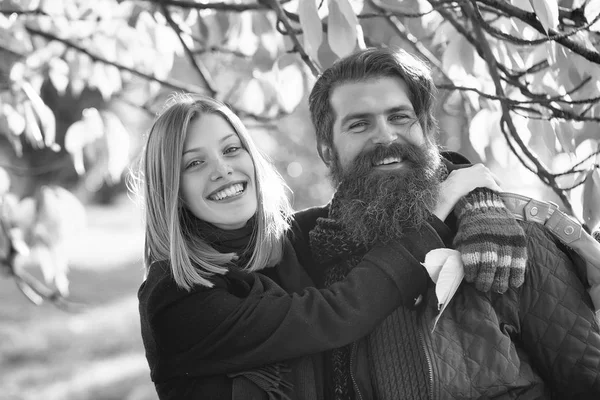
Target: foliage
[526, 72]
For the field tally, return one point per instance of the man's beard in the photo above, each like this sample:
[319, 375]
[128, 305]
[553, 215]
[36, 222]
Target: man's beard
[380, 206]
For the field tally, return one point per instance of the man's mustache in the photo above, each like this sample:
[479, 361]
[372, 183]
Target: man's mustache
[367, 159]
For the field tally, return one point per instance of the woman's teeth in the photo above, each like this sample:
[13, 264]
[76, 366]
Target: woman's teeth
[227, 192]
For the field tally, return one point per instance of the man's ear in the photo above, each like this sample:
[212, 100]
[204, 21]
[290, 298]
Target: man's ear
[326, 154]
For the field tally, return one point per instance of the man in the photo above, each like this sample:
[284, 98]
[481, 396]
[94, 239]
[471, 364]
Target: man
[373, 114]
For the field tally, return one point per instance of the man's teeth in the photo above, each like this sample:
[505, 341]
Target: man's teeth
[227, 192]
[388, 160]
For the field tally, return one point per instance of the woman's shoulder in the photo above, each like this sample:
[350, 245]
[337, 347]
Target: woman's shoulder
[159, 289]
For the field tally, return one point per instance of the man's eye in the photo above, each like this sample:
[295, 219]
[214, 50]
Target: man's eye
[232, 149]
[401, 118]
[358, 126]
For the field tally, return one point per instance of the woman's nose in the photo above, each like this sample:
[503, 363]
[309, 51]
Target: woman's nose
[221, 170]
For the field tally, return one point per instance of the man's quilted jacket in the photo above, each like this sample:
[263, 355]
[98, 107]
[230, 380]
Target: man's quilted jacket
[538, 341]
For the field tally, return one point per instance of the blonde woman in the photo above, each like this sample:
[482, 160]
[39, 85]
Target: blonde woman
[228, 309]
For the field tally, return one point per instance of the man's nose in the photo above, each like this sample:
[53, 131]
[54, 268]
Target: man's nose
[221, 170]
[385, 133]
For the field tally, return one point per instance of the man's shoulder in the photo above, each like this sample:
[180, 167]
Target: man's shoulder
[307, 219]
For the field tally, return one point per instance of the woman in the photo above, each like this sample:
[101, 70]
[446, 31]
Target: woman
[219, 235]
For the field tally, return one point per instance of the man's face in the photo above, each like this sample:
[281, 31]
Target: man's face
[370, 114]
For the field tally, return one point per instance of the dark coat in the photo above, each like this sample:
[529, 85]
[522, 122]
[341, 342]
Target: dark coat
[200, 344]
[538, 341]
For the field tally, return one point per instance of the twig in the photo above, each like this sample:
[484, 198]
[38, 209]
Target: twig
[541, 170]
[281, 15]
[172, 84]
[202, 71]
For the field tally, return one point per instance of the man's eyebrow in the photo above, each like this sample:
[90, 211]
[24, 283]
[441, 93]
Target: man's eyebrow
[360, 115]
[197, 149]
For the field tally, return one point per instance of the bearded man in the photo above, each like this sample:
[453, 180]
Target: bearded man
[528, 332]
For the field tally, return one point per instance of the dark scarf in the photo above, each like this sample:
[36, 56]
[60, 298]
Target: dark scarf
[397, 364]
[269, 378]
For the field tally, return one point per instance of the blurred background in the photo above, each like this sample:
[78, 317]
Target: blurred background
[82, 80]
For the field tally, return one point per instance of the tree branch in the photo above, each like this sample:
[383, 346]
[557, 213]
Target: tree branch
[281, 15]
[202, 71]
[531, 19]
[217, 6]
[172, 84]
[541, 170]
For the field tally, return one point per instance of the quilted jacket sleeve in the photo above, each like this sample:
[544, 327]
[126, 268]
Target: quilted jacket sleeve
[558, 327]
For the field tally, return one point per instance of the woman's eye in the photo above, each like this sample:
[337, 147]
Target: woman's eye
[193, 164]
[231, 149]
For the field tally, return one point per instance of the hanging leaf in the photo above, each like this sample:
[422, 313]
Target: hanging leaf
[33, 134]
[547, 13]
[11, 121]
[341, 32]
[4, 182]
[43, 114]
[447, 268]
[591, 199]
[290, 83]
[117, 143]
[311, 27]
[591, 12]
[80, 134]
[565, 133]
[544, 130]
[484, 126]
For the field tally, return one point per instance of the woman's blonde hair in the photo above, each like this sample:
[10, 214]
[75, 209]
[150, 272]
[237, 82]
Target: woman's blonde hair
[168, 236]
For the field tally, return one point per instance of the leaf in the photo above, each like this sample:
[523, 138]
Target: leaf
[544, 130]
[290, 84]
[341, 30]
[32, 130]
[522, 4]
[80, 134]
[434, 261]
[117, 143]
[591, 12]
[448, 275]
[565, 133]
[591, 199]
[484, 126]
[11, 119]
[4, 182]
[547, 13]
[59, 74]
[45, 116]
[311, 27]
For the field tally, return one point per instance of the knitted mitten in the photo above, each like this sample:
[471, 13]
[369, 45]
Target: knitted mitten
[491, 242]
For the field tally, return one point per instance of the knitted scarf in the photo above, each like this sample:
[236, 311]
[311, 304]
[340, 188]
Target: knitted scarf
[399, 367]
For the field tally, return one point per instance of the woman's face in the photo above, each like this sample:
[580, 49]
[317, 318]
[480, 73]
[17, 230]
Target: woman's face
[217, 174]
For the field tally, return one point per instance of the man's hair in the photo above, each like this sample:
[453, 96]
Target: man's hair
[167, 222]
[370, 64]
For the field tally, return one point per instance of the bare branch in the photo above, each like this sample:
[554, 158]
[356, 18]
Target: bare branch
[170, 83]
[202, 71]
[217, 6]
